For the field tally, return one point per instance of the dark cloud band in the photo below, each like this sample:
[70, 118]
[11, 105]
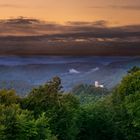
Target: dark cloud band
[32, 36]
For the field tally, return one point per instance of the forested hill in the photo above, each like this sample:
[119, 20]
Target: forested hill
[87, 113]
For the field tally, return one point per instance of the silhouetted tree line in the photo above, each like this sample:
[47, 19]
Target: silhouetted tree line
[47, 113]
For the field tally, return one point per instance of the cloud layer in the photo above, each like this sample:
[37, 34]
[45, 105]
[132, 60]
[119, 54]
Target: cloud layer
[32, 36]
[10, 6]
[123, 7]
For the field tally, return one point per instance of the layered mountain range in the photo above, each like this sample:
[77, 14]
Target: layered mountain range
[24, 73]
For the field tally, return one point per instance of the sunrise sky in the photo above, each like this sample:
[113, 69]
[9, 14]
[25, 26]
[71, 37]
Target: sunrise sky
[117, 12]
[70, 27]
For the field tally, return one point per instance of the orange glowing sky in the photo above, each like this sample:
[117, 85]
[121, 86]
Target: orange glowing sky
[117, 12]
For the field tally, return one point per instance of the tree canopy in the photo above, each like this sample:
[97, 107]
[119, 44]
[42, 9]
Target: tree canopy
[87, 113]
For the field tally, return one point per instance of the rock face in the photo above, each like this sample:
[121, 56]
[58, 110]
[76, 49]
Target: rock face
[24, 73]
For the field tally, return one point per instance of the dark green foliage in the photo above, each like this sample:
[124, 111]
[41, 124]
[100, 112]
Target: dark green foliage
[126, 106]
[8, 97]
[89, 93]
[17, 124]
[115, 117]
[95, 123]
[49, 114]
[60, 108]
[132, 106]
[44, 98]
[134, 69]
[89, 90]
[129, 85]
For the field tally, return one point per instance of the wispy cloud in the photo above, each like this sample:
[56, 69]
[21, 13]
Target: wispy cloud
[31, 26]
[10, 6]
[129, 7]
[124, 7]
[99, 23]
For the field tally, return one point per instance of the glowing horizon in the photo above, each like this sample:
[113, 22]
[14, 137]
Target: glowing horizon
[116, 13]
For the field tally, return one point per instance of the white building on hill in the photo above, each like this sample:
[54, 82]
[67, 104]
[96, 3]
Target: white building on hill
[97, 85]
